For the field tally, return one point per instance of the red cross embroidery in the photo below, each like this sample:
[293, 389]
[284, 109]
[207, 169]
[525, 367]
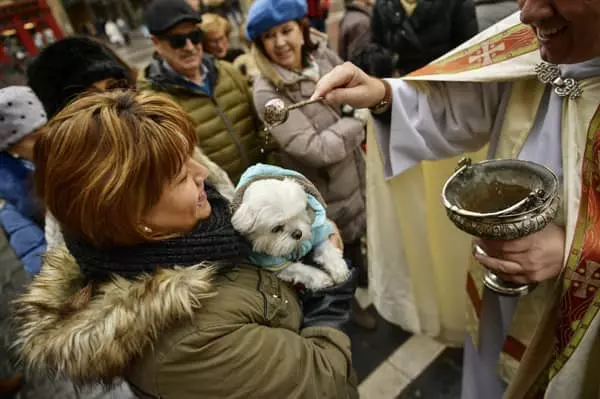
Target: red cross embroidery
[485, 55]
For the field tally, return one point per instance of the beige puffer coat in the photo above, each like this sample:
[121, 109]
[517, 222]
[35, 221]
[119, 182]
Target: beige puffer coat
[317, 141]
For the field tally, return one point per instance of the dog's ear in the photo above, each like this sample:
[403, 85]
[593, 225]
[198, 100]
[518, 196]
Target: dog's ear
[244, 219]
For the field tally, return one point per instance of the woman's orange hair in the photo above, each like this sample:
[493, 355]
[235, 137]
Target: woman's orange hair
[104, 160]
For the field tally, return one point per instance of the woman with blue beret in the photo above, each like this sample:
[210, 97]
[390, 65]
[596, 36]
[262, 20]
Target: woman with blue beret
[321, 141]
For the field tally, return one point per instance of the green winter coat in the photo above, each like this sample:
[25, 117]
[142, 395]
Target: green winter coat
[185, 333]
[227, 128]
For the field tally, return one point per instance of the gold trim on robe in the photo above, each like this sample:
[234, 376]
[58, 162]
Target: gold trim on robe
[579, 297]
[503, 46]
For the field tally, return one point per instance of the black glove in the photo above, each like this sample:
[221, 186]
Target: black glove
[329, 307]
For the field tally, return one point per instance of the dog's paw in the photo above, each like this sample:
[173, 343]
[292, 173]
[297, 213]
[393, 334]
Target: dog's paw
[338, 269]
[332, 260]
[318, 280]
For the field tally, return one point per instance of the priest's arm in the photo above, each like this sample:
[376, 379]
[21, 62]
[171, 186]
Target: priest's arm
[437, 120]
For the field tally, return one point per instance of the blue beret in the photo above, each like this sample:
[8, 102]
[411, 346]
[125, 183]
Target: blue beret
[266, 14]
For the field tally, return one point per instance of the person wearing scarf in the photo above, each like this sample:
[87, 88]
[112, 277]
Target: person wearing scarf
[75, 65]
[155, 287]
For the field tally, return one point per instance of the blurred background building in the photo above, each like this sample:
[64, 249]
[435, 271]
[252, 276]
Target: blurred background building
[26, 26]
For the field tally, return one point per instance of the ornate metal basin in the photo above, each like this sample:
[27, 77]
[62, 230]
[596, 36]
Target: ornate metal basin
[501, 200]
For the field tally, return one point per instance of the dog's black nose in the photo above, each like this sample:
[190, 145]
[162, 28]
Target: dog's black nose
[297, 234]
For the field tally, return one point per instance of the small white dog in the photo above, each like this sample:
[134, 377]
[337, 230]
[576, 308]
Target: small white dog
[285, 222]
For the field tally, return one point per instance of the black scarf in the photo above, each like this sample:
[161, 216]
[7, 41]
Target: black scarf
[212, 240]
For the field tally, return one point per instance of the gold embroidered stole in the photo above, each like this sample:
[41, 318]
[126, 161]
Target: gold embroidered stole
[511, 43]
[579, 300]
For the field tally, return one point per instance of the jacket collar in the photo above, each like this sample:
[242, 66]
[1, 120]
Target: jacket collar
[87, 337]
[279, 76]
[167, 79]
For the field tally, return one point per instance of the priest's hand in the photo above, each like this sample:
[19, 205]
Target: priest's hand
[348, 84]
[530, 259]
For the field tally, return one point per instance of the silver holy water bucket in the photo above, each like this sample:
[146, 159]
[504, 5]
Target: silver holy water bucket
[501, 200]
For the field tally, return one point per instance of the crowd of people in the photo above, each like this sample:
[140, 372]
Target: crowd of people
[116, 189]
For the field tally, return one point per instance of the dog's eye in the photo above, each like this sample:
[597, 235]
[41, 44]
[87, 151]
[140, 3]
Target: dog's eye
[277, 229]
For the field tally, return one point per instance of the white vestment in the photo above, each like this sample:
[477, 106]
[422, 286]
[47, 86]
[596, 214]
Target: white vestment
[456, 117]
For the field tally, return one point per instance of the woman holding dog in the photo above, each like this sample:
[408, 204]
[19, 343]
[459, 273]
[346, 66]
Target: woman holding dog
[154, 289]
[320, 141]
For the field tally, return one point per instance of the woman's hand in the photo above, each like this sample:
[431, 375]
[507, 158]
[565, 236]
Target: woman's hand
[336, 237]
[530, 259]
[348, 84]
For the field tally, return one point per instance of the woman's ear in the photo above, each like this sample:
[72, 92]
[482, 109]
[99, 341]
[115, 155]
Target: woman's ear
[244, 219]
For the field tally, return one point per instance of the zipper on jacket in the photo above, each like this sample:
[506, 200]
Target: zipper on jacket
[231, 131]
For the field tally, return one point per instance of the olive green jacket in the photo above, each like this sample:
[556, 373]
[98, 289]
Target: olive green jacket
[185, 333]
[227, 128]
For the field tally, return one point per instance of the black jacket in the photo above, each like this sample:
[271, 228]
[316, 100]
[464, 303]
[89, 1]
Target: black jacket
[435, 27]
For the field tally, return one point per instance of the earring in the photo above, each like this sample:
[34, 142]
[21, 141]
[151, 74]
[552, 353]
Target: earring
[146, 229]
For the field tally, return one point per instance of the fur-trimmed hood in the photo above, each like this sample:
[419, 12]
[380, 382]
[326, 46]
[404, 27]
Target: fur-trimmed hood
[92, 334]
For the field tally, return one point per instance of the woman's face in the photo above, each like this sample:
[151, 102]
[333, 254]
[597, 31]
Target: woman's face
[216, 43]
[283, 44]
[182, 204]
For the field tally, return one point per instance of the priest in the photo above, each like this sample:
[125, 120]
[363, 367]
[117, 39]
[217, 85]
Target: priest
[529, 88]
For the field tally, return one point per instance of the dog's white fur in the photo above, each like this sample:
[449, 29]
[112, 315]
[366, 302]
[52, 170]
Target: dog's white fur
[273, 216]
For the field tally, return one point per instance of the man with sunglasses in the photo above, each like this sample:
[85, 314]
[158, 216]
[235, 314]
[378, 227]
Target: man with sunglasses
[213, 93]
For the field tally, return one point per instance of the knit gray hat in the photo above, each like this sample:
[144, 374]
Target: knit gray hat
[21, 113]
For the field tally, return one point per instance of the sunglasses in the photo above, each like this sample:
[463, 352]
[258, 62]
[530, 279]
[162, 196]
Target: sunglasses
[179, 41]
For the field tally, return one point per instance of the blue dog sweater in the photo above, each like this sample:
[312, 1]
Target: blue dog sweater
[321, 226]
